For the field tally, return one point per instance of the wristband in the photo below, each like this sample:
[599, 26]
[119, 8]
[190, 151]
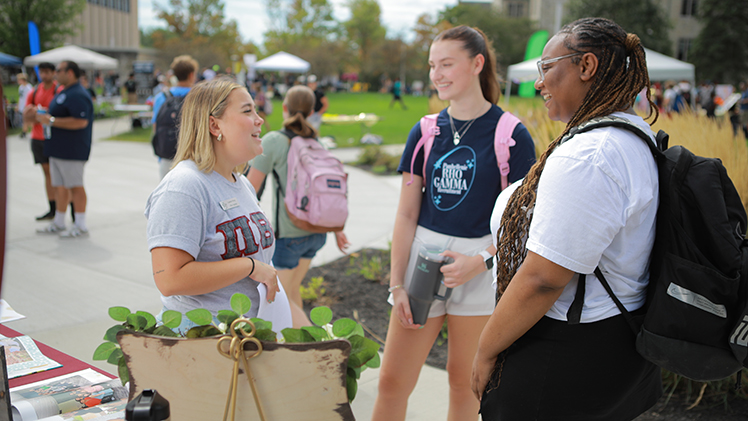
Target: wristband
[390, 289]
[487, 259]
[253, 266]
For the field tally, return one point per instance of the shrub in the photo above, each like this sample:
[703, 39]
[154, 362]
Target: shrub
[314, 289]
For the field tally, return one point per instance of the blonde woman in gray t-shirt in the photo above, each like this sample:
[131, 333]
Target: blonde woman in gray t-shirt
[207, 233]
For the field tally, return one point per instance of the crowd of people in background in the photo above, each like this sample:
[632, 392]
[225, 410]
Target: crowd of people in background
[514, 347]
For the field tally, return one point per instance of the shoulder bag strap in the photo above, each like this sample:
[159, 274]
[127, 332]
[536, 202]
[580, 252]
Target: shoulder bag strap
[574, 314]
[502, 142]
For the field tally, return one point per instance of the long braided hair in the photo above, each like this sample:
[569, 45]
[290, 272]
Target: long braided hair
[621, 75]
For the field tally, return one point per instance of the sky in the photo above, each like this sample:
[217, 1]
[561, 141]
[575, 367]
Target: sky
[398, 16]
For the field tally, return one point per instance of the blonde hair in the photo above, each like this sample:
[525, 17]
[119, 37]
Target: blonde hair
[300, 105]
[195, 142]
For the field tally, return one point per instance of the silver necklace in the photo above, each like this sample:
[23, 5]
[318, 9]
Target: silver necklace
[456, 133]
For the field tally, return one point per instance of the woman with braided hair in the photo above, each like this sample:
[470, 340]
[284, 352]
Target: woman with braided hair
[590, 201]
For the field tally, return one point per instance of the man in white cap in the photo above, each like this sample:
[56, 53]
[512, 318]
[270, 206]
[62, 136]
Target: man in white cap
[320, 102]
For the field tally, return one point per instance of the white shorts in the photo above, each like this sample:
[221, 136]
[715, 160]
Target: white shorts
[475, 297]
[66, 172]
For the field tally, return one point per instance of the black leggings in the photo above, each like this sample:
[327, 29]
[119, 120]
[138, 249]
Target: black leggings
[558, 371]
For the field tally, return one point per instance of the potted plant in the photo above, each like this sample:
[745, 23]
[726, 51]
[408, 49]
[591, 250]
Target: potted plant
[316, 367]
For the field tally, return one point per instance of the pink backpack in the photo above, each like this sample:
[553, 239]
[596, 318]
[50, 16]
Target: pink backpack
[316, 188]
[502, 142]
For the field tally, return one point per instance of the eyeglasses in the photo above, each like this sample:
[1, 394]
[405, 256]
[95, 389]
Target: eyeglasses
[542, 63]
[60, 69]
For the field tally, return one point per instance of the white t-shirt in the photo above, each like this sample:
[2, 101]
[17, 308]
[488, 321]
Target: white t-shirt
[498, 211]
[596, 205]
[23, 94]
[212, 219]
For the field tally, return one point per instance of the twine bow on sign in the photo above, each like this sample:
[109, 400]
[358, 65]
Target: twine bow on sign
[235, 352]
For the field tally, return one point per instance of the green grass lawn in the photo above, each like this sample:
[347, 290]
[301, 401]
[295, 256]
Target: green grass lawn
[394, 126]
[11, 92]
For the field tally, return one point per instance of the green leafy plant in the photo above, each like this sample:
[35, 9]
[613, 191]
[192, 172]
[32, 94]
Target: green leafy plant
[363, 351]
[314, 289]
[371, 268]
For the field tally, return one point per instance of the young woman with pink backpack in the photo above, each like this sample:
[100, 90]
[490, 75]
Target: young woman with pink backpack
[295, 246]
[451, 179]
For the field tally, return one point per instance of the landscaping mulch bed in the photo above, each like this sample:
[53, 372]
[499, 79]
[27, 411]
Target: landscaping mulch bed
[349, 294]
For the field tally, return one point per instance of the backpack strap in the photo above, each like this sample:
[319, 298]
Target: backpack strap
[574, 314]
[429, 130]
[33, 95]
[502, 142]
[661, 139]
[278, 193]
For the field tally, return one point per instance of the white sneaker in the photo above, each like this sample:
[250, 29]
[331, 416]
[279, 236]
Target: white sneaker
[74, 232]
[52, 228]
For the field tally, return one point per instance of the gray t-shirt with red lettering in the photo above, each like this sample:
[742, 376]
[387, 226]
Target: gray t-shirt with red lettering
[212, 219]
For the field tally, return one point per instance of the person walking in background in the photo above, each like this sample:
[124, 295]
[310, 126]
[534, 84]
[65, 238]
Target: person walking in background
[207, 234]
[397, 88]
[263, 103]
[295, 247]
[131, 87]
[37, 100]
[70, 117]
[320, 102]
[447, 201]
[163, 84]
[589, 202]
[165, 131]
[87, 87]
[24, 89]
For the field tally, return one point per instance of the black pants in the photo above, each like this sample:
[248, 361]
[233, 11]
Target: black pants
[558, 371]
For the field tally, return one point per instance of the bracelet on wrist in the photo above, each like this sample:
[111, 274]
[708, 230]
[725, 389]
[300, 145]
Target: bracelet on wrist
[253, 266]
[392, 288]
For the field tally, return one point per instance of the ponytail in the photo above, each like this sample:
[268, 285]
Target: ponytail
[300, 104]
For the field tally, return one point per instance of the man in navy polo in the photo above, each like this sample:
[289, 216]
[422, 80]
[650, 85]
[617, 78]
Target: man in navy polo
[70, 117]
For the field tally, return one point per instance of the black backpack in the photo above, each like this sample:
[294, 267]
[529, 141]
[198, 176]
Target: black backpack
[698, 286]
[167, 131]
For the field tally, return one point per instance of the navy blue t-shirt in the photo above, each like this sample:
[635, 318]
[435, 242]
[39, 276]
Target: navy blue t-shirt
[463, 181]
[73, 101]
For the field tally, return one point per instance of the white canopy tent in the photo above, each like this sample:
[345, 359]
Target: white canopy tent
[86, 59]
[660, 66]
[282, 62]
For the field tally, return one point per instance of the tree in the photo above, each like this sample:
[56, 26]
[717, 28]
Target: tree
[198, 28]
[307, 29]
[720, 52]
[644, 18]
[509, 36]
[364, 28]
[55, 20]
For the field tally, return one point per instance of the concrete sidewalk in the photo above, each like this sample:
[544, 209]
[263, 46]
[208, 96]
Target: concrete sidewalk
[65, 287]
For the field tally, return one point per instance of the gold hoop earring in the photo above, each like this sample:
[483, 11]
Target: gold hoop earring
[220, 137]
